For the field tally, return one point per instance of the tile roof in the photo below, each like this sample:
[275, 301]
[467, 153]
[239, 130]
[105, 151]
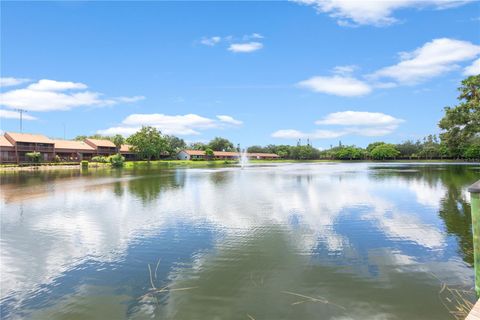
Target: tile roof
[4, 142]
[101, 142]
[27, 137]
[194, 152]
[259, 154]
[71, 144]
[125, 148]
[229, 154]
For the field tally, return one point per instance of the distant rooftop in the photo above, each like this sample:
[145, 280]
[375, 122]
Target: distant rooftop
[4, 142]
[125, 148]
[101, 143]
[27, 137]
[229, 154]
[72, 144]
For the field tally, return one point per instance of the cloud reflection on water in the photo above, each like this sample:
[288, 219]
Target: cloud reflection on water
[68, 222]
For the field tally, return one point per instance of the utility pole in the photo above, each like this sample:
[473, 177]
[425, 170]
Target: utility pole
[21, 111]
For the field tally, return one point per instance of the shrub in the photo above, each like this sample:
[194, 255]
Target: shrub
[384, 151]
[116, 160]
[472, 152]
[84, 164]
[57, 158]
[101, 159]
[34, 157]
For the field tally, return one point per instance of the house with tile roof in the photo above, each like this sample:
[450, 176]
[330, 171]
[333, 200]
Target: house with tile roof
[69, 150]
[24, 143]
[224, 155]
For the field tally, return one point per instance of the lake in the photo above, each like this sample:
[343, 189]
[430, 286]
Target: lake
[281, 241]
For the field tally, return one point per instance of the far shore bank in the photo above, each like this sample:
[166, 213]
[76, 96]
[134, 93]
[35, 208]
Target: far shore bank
[199, 164]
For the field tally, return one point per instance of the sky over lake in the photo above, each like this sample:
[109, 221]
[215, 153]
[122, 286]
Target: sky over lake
[253, 72]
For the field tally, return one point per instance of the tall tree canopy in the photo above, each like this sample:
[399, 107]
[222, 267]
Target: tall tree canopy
[221, 144]
[174, 144]
[384, 151]
[118, 140]
[148, 143]
[461, 123]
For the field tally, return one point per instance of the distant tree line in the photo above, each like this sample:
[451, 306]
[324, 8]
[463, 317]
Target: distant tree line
[149, 144]
[460, 137]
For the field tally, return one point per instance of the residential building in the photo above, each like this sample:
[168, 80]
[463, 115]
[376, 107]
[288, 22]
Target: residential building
[127, 153]
[224, 155]
[102, 147]
[14, 147]
[68, 150]
[24, 143]
[7, 151]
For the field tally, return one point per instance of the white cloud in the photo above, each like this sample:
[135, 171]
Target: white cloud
[358, 118]
[252, 36]
[229, 119]
[9, 114]
[345, 70]
[432, 59]
[472, 69]
[257, 36]
[210, 41]
[370, 124]
[317, 134]
[344, 86]
[245, 47]
[246, 43]
[129, 99]
[9, 81]
[373, 12]
[183, 125]
[51, 95]
[52, 85]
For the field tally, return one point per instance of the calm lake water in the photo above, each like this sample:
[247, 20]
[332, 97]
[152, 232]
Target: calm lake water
[285, 241]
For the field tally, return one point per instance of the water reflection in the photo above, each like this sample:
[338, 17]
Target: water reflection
[365, 237]
[148, 187]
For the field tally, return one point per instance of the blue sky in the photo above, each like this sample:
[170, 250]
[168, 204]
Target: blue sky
[254, 72]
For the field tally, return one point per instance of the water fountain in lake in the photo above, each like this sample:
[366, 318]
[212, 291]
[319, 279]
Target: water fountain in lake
[243, 158]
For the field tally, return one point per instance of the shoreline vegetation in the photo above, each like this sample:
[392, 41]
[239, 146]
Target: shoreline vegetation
[5, 168]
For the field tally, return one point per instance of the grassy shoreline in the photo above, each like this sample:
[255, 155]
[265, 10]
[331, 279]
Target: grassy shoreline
[199, 164]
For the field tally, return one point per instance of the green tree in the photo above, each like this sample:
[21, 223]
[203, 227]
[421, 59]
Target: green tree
[118, 140]
[384, 151]
[348, 153]
[148, 143]
[221, 144]
[116, 160]
[408, 148]
[80, 138]
[372, 145]
[174, 144]
[461, 123]
[209, 153]
[304, 153]
[197, 146]
[34, 157]
[256, 149]
[473, 150]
